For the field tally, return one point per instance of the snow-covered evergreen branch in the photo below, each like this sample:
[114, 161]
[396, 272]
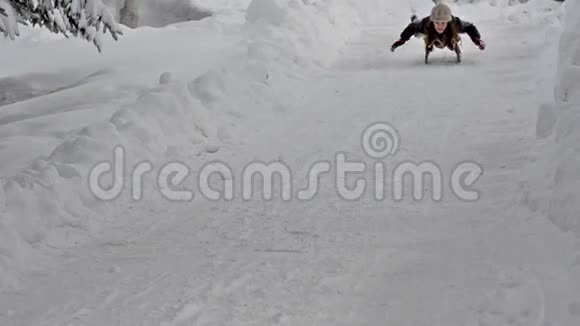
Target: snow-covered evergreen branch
[89, 19]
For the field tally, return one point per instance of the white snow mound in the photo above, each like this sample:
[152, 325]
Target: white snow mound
[555, 176]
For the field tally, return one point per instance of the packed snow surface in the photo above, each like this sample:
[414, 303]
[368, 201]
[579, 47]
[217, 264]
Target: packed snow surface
[299, 85]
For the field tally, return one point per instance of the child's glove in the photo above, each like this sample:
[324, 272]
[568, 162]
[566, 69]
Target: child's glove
[480, 44]
[398, 43]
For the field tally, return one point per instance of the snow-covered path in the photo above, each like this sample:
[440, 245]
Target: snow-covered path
[331, 261]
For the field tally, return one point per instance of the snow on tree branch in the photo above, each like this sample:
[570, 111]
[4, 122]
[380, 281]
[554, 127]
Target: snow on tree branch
[88, 19]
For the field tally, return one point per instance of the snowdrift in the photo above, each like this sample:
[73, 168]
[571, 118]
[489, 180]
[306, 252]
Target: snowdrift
[299, 32]
[49, 205]
[552, 185]
[553, 188]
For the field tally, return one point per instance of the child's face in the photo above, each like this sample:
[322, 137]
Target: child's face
[440, 26]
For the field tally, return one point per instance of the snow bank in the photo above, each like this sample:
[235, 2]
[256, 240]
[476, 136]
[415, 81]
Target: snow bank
[298, 31]
[284, 38]
[307, 32]
[554, 183]
[50, 204]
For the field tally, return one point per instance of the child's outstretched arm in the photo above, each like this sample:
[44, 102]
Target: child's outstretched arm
[411, 29]
[471, 30]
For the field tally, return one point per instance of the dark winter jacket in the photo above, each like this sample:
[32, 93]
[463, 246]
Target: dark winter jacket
[425, 27]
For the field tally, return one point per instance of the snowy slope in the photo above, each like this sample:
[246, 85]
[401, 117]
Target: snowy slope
[292, 82]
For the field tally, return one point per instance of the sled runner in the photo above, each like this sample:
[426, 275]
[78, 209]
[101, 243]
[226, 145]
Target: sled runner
[454, 46]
